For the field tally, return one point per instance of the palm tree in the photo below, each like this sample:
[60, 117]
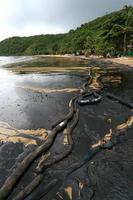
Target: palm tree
[126, 28]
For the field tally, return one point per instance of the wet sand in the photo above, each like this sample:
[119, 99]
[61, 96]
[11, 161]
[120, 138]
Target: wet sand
[31, 103]
[123, 60]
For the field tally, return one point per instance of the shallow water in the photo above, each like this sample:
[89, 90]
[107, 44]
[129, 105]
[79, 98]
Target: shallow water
[19, 101]
[37, 100]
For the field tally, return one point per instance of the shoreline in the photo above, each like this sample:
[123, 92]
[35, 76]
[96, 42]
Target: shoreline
[120, 61]
[125, 63]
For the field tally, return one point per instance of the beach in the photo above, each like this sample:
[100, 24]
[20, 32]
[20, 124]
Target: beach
[35, 94]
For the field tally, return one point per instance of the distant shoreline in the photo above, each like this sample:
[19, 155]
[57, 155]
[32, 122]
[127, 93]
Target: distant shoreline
[128, 61]
[122, 62]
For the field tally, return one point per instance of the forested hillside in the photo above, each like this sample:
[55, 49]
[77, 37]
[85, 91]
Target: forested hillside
[112, 32]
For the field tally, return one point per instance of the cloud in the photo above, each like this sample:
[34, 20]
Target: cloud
[29, 17]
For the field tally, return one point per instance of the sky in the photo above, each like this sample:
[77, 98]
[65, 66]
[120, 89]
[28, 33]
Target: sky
[33, 17]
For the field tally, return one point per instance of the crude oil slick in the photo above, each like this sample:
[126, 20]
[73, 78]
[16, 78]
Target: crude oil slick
[34, 94]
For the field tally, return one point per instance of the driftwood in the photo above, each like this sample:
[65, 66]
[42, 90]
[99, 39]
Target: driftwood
[124, 102]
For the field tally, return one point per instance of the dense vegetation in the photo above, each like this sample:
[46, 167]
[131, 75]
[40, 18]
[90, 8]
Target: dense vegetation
[110, 33]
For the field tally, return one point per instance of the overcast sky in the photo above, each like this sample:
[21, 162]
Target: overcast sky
[31, 17]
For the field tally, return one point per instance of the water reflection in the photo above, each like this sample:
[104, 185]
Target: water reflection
[5, 60]
[10, 102]
[26, 109]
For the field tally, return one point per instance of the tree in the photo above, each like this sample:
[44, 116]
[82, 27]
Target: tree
[126, 28]
[90, 43]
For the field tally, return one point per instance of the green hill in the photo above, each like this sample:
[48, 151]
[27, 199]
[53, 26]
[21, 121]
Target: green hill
[112, 32]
